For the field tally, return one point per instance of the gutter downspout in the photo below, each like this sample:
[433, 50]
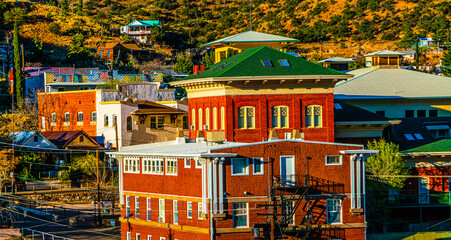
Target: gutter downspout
[210, 188]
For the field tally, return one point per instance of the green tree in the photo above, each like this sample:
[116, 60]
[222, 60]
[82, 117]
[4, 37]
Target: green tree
[64, 7]
[446, 63]
[208, 59]
[78, 52]
[27, 162]
[156, 34]
[80, 7]
[184, 65]
[2, 11]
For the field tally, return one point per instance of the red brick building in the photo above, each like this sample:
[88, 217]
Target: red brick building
[178, 190]
[259, 89]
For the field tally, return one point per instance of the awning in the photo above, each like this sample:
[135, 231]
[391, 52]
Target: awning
[438, 127]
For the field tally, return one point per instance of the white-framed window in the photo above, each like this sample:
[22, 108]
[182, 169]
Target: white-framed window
[149, 237]
[199, 210]
[287, 209]
[258, 166]
[129, 236]
[200, 118]
[279, 117]
[131, 165]
[106, 121]
[53, 118]
[189, 209]
[127, 206]
[161, 211]
[215, 118]
[67, 117]
[240, 218]
[156, 122]
[171, 166]
[175, 210]
[93, 116]
[246, 119]
[334, 160]
[149, 208]
[153, 165]
[240, 166]
[198, 164]
[80, 117]
[137, 207]
[313, 116]
[187, 163]
[138, 236]
[333, 207]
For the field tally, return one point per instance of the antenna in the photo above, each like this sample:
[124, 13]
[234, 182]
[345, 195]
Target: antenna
[250, 13]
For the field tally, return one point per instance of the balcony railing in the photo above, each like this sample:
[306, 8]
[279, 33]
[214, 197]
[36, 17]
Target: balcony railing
[316, 185]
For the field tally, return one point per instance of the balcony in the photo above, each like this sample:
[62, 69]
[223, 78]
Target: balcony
[316, 185]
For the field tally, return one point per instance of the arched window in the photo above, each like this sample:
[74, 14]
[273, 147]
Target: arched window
[222, 118]
[193, 118]
[313, 116]
[106, 121]
[246, 119]
[53, 117]
[207, 118]
[129, 123]
[82, 139]
[215, 118]
[80, 117]
[67, 117]
[93, 116]
[279, 117]
[200, 119]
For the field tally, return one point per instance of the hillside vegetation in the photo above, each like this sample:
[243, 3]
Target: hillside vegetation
[189, 24]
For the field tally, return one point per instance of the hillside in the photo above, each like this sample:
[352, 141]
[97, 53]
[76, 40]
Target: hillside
[345, 26]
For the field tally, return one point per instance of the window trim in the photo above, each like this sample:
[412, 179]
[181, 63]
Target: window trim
[175, 203]
[215, 118]
[200, 207]
[198, 164]
[66, 117]
[200, 120]
[93, 116]
[262, 164]
[279, 117]
[78, 117]
[53, 117]
[149, 162]
[106, 121]
[169, 160]
[127, 206]
[222, 118]
[193, 118]
[158, 125]
[136, 207]
[240, 174]
[185, 161]
[312, 116]
[130, 163]
[189, 209]
[161, 211]
[341, 211]
[149, 209]
[245, 117]
[334, 164]
[286, 60]
[234, 214]
[207, 118]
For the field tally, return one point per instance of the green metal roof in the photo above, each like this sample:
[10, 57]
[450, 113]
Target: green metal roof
[144, 23]
[251, 36]
[249, 64]
[443, 145]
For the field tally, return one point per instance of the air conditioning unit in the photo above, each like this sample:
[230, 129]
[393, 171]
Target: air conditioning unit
[191, 127]
[160, 219]
[205, 127]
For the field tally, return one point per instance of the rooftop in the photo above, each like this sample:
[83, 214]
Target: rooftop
[442, 146]
[337, 60]
[250, 37]
[385, 53]
[137, 23]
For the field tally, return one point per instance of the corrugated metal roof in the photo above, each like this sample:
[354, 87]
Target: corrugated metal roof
[393, 83]
[337, 59]
[251, 36]
[385, 53]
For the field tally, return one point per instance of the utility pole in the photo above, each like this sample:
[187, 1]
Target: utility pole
[417, 55]
[98, 186]
[272, 205]
[23, 60]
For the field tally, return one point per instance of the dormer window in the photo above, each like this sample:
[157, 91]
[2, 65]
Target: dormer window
[267, 63]
[284, 63]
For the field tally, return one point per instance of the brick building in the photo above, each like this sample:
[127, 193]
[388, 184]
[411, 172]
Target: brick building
[259, 89]
[178, 190]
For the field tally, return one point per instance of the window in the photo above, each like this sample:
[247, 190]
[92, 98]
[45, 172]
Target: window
[108, 53]
[93, 116]
[35, 139]
[53, 117]
[176, 211]
[127, 206]
[82, 139]
[131, 165]
[198, 164]
[149, 237]
[137, 207]
[280, 117]
[80, 117]
[161, 211]
[418, 136]
[207, 118]
[149, 208]
[240, 166]
[129, 123]
[114, 120]
[423, 190]
[171, 166]
[129, 236]
[67, 117]
[258, 166]
[199, 210]
[382, 113]
[189, 209]
[106, 121]
[185, 122]
[267, 63]
[287, 210]
[193, 118]
[409, 113]
[222, 118]
[334, 160]
[156, 122]
[433, 113]
[284, 63]
[215, 118]
[337, 106]
[153, 165]
[100, 53]
[409, 137]
[138, 236]
[421, 113]
[246, 118]
[200, 119]
[333, 211]
[187, 163]
[239, 215]
[313, 116]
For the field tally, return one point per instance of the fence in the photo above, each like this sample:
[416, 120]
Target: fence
[28, 233]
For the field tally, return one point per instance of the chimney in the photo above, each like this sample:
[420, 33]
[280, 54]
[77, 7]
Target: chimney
[298, 135]
[180, 137]
[202, 68]
[200, 136]
[272, 135]
[196, 69]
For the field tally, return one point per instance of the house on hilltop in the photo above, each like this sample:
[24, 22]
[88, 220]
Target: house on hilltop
[140, 30]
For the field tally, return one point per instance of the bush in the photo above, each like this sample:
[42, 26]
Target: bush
[55, 28]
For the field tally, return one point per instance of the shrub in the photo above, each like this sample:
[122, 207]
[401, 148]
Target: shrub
[55, 28]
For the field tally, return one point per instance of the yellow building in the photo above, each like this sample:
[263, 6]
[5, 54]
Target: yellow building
[242, 41]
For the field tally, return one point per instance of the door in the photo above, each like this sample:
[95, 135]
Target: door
[423, 190]
[287, 170]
